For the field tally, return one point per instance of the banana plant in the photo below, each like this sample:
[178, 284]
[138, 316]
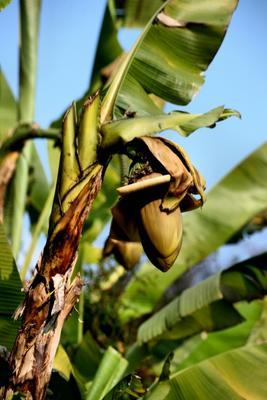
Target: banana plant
[109, 130]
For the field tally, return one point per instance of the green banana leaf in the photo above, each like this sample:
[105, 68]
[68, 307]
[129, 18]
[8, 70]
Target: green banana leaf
[259, 331]
[236, 374]
[193, 311]
[239, 196]
[86, 358]
[170, 57]
[189, 351]
[109, 373]
[8, 107]
[62, 363]
[206, 345]
[184, 123]
[135, 13]
[63, 383]
[10, 292]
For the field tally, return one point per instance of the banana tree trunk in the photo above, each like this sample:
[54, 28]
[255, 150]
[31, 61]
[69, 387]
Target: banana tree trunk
[49, 300]
[51, 294]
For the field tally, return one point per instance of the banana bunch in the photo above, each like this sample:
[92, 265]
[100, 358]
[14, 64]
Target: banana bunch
[162, 183]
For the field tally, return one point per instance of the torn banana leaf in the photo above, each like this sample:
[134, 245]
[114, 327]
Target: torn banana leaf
[171, 55]
[184, 123]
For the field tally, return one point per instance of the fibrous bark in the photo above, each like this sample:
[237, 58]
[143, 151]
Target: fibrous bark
[49, 299]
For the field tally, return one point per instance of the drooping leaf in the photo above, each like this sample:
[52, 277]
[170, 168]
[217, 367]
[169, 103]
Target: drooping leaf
[239, 196]
[201, 347]
[8, 106]
[10, 292]
[184, 123]
[194, 310]
[170, 57]
[226, 376]
[109, 373]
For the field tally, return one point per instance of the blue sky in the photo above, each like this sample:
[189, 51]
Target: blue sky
[236, 78]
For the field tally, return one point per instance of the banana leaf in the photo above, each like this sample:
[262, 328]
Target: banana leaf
[62, 363]
[135, 13]
[194, 309]
[259, 332]
[170, 57]
[109, 373]
[239, 196]
[86, 358]
[183, 123]
[62, 385]
[10, 292]
[206, 345]
[236, 374]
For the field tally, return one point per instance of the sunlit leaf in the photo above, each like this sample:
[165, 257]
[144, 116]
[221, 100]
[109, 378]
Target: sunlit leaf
[226, 376]
[136, 13]
[195, 309]
[62, 363]
[184, 123]
[259, 332]
[201, 347]
[109, 373]
[171, 55]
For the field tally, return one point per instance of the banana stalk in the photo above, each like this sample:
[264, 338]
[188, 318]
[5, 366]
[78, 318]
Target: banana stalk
[50, 296]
